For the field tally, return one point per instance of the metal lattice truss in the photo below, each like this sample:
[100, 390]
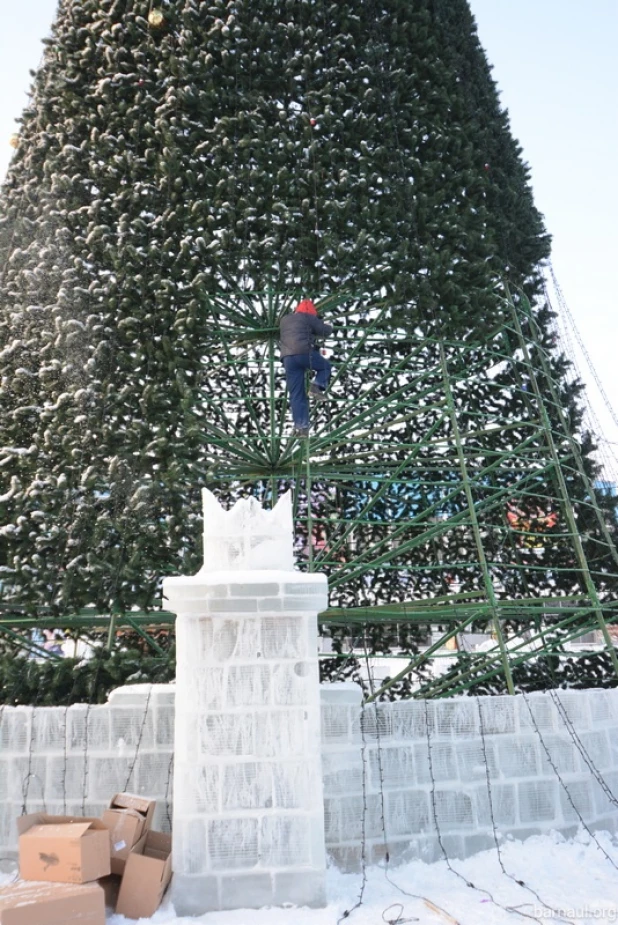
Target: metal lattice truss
[440, 483]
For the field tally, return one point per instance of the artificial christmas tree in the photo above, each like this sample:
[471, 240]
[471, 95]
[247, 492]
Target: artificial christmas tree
[185, 172]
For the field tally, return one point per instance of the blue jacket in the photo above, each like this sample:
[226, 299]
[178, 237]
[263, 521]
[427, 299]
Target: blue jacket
[298, 332]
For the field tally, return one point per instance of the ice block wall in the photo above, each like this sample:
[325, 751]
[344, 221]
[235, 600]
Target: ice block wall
[488, 757]
[248, 822]
[418, 778]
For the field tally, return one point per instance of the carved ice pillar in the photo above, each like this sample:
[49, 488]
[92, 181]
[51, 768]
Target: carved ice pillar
[248, 827]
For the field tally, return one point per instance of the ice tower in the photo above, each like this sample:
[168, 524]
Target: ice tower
[248, 827]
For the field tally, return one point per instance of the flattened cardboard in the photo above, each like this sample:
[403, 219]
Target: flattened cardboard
[30, 903]
[63, 849]
[147, 874]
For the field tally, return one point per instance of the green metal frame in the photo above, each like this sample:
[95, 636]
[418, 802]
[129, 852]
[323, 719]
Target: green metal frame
[405, 479]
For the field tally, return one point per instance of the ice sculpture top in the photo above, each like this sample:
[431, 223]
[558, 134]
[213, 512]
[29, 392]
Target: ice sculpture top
[247, 536]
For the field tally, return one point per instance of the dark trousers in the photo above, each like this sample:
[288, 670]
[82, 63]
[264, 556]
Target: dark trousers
[295, 369]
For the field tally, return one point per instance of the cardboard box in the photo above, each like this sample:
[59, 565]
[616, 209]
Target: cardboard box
[143, 805]
[28, 903]
[65, 849]
[147, 874]
[127, 819]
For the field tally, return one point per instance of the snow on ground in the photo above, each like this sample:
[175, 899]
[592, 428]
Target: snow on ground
[573, 877]
[575, 881]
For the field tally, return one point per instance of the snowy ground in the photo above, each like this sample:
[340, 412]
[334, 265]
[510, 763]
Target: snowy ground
[574, 881]
[574, 878]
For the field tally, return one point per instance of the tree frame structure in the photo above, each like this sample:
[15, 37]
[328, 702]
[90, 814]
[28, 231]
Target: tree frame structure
[441, 488]
[440, 484]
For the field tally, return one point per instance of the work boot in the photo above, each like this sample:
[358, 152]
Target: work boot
[316, 392]
[300, 432]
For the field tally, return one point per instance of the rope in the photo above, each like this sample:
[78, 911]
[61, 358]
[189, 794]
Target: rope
[567, 313]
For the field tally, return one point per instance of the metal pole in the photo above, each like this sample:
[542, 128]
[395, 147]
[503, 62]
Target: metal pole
[271, 364]
[309, 511]
[111, 632]
[566, 501]
[489, 588]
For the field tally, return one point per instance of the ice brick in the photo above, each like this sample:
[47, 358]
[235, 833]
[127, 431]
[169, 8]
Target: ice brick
[132, 695]
[247, 785]
[235, 640]
[434, 761]
[474, 759]
[495, 805]
[375, 721]
[164, 696]
[295, 784]
[66, 777]
[559, 752]
[284, 637]
[197, 787]
[574, 710]
[285, 841]
[49, 729]
[518, 757]
[294, 683]
[107, 776]
[239, 605]
[233, 843]
[409, 720]
[538, 800]
[453, 809]
[595, 746]
[247, 685]
[88, 728]
[497, 715]
[391, 767]
[306, 888]
[407, 812]
[473, 844]
[15, 729]
[27, 779]
[345, 693]
[247, 891]
[281, 733]
[458, 716]
[355, 817]
[151, 776]
[337, 723]
[576, 801]
[132, 728]
[5, 769]
[504, 802]
[342, 772]
[537, 712]
[194, 894]
[228, 734]
[189, 845]
[164, 726]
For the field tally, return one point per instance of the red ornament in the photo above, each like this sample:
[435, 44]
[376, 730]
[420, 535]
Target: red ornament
[313, 121]
[485, 166]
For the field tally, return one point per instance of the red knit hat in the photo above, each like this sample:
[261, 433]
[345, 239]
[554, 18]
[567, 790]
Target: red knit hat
[307, 307]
